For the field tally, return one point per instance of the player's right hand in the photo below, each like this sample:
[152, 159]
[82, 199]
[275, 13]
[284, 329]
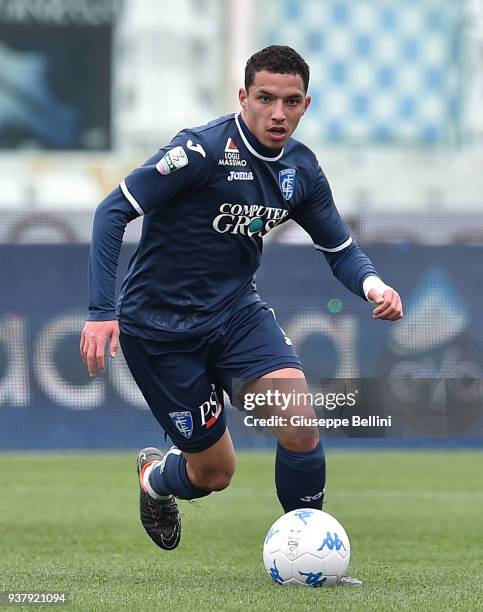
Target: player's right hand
[93, 344]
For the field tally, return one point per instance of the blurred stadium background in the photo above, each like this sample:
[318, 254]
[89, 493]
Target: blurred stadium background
[89, 90]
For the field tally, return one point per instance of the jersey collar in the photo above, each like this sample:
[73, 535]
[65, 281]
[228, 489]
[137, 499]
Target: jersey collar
[252, 144]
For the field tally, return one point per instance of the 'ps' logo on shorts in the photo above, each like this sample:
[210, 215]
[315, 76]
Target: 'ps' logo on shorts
[286, 180]
[183, 421]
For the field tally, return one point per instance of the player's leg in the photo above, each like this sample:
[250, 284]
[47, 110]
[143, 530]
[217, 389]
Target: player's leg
[300, 470]
[163, 477]
[192, 475]
[178, 390]
[213, 468]
[258, 355]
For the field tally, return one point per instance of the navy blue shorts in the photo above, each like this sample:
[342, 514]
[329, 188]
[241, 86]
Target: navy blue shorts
[183, 381]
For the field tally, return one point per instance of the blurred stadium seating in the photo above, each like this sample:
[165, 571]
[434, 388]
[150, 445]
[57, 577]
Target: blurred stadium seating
[396, 117]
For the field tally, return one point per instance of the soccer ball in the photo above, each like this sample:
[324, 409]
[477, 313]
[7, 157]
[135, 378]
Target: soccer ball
[306, 547]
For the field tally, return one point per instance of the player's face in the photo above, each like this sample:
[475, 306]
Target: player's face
[273, 106]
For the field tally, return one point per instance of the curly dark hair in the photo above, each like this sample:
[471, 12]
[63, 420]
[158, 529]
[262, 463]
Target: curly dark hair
[279, 59]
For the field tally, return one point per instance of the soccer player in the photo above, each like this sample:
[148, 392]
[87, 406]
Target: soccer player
[189, 318]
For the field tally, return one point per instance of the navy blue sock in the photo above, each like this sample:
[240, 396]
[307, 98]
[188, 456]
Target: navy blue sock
[171, 478]
[300, 478]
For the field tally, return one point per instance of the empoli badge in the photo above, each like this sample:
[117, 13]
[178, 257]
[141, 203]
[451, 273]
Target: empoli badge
[183, 421]
[286, 180]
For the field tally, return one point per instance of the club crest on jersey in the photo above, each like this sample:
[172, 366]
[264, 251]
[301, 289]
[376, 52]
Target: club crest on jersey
[286, 180]
[183, 421]
[232, 155]
[173, 160]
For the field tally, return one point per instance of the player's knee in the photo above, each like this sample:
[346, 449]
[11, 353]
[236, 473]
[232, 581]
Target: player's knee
[299, 444]
[217, 481]
[213, 480]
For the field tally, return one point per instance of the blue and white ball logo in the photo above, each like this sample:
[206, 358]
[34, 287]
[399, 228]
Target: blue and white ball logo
[306, 547]
[286, 180]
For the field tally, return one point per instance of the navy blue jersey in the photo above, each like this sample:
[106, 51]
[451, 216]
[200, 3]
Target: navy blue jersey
[208, 198]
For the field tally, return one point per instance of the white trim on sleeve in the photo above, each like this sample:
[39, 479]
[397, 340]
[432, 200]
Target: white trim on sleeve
[131, 199]
[336, 249]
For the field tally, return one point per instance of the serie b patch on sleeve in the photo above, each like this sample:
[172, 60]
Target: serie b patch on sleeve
[173, 160]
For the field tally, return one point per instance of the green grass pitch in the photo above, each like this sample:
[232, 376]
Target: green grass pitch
[70, 523]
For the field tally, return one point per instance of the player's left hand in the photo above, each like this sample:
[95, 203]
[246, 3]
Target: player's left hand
[388, 305]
